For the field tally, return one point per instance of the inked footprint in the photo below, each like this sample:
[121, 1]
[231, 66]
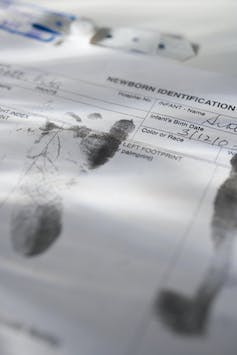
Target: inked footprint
[37, 223]
[190, 315]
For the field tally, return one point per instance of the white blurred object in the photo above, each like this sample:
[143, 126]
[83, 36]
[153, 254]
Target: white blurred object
[83, 26]
[146, 42]
[210, 23]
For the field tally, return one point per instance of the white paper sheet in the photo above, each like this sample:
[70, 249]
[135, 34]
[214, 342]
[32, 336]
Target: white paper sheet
[118, 204]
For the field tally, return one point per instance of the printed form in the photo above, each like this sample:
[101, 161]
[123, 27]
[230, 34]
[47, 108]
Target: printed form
[118, 206]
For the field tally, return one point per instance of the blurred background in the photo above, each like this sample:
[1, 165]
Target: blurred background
[209, 23]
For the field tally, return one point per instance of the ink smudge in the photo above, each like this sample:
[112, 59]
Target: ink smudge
[35, 227]
[80, 132]
[100, 147]
[75, 116]
[181, 314]
[95, 116]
